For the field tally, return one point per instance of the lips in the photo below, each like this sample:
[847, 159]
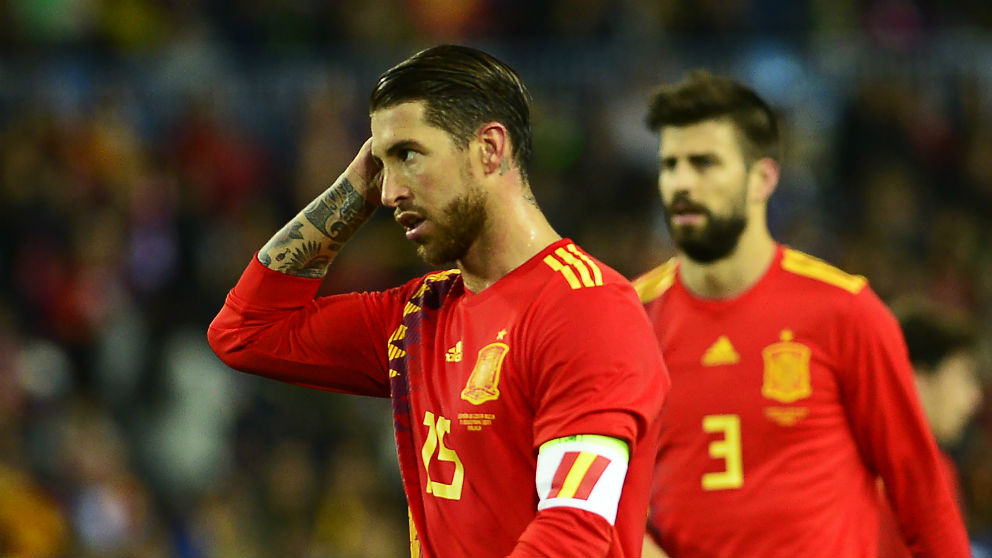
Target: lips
[681, 207]
[685, 213]
[688, 219]
[411, 221]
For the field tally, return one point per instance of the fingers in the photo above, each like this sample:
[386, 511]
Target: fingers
[364, 173]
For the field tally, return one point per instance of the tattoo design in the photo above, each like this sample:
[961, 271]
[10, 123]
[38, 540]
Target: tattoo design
[305, 260]
[504, 166]
[336, 215]
[339, 212]
[288, 233]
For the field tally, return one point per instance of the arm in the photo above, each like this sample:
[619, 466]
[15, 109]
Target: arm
[601, 374]
[579, 482]
[892, 432]
[308, 244]
[272, 325]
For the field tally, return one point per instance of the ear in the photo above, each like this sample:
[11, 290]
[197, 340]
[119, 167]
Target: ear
[494, 148]
[764, 177]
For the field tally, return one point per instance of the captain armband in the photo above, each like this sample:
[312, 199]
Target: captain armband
[585, 472]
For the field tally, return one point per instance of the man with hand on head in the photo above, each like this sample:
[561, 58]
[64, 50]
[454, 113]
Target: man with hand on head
[525, 380]
[791, 388]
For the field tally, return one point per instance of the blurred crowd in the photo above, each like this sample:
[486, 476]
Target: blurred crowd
[148, 148]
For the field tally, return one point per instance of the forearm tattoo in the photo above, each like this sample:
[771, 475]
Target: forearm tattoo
[339, 212]
[336, 215]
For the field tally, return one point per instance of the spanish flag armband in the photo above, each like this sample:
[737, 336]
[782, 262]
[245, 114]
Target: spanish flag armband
[585, 471]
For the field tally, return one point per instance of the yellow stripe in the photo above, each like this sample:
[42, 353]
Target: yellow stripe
[394, 351]
[576, 474]
[400, 333]
[414, 537]
[803, 264]
[420, 291]
[442, 275]
[567, 272]
[410, 308]
[597, 274]
[654, 283]
[577, 264]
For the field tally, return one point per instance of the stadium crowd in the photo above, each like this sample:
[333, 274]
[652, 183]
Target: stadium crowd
[147, 149]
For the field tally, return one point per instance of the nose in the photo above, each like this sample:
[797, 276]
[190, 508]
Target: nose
[394, 189]
[677, 180]
[681, 177]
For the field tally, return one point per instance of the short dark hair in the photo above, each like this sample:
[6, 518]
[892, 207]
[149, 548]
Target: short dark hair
[462, 88]
[931, 337]
[703, 96]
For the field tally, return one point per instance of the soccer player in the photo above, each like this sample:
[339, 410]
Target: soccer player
[945, 363]
[791, 387]
[525, 381]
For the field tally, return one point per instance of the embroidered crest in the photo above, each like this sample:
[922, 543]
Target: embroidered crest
[483, 383]
[787, 376]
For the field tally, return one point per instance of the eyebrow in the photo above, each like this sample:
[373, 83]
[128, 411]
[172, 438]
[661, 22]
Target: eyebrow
[400, 146]
[694, 156]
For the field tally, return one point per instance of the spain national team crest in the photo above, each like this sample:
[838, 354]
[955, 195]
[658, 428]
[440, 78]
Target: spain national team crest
[483, 383]
[787, 376]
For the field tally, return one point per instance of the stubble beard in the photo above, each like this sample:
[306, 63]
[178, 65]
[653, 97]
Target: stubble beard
[715, 239]
[458, 227]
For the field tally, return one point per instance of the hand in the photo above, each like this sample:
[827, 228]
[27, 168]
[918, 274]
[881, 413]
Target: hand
[365, 174]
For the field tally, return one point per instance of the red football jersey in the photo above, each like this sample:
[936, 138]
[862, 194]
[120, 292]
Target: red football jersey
[560, 346]
[787, 403]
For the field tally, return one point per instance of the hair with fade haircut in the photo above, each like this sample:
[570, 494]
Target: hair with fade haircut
[704, 96]
[462, 88]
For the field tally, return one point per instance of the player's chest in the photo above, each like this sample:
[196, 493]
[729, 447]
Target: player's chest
[776, 369]
[470, 371]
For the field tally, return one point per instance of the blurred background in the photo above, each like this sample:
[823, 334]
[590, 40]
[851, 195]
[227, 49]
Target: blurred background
[149, 147]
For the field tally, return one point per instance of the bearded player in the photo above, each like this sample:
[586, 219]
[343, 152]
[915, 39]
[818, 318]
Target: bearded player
[791, 391]
[525, 381]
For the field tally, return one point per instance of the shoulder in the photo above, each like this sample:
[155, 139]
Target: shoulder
[652, 284]
[576, 269]
[820, 273]
[585, 307]
[849, 294]
[568, 275]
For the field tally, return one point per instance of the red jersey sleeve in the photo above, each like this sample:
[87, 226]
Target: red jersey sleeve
[272, 325]
[601, 371]
[553, 534]
[891, 430]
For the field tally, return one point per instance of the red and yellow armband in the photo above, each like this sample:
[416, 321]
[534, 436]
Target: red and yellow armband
[585, 472]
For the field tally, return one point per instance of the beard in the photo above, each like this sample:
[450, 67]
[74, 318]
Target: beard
[458, 227]
[715, 239]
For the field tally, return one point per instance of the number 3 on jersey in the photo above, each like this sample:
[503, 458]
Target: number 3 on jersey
[728, 449]
[436, 431]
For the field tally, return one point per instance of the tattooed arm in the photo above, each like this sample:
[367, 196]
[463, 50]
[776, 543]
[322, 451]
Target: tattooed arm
[307, 245]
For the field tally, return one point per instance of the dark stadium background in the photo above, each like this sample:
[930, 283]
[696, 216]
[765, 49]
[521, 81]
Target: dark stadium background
[148, 147]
